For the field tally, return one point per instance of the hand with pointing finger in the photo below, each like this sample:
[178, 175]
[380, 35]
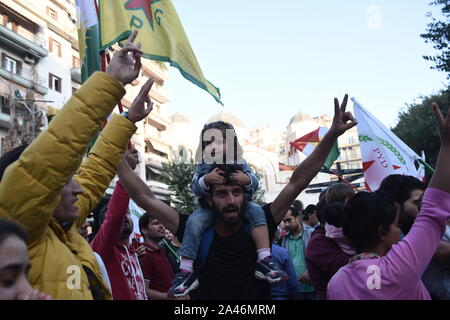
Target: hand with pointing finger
[142, 105]
[126, 63]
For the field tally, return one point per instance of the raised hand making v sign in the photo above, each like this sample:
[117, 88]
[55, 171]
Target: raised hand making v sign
[342, 120]
[308, 168]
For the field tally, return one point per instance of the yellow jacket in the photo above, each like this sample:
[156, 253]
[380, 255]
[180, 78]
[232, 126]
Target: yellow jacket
[30, 188]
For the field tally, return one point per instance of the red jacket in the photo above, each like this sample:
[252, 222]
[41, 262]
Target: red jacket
[122, 264]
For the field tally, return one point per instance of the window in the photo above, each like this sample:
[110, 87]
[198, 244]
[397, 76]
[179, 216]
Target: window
[11, 24]
[54, 47]
[75, 62]
[52, 13]
[4, 103]
[351, 140]
[54, 82]
[11, 65]
[353, 153]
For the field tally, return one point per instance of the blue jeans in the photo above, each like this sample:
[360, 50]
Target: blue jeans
[201, 219]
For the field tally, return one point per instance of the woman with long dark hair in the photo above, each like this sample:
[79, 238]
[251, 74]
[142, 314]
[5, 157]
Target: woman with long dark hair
[385, 267]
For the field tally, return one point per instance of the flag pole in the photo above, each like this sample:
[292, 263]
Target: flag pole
[103, 69]
[102, 52]
[426, 165]
[342, 178]
[106, 59]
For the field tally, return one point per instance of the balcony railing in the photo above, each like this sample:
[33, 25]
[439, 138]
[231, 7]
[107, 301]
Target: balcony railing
[23, 41]
[26, 79]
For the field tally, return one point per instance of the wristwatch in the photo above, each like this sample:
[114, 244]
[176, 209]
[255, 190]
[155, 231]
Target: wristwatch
[125, 114]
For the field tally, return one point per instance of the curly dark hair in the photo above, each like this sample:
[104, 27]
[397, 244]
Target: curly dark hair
[400, 186]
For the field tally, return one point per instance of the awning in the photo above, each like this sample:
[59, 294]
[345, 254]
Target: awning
[161, 147]
[154, 170]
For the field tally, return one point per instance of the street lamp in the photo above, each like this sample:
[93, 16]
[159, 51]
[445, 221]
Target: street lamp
[33, 112]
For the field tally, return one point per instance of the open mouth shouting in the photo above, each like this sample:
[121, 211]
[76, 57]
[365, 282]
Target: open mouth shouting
[230, 212]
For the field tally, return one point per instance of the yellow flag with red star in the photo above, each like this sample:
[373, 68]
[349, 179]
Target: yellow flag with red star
[160, 32]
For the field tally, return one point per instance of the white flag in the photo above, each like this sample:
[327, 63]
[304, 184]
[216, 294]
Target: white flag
[382, 152]
[135, 213]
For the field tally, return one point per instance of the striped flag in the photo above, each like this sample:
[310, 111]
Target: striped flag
[88, 37]
[309, 141]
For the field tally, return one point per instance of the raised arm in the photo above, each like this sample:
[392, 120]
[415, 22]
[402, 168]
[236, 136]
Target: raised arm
[409, 258]
[110, 230]
[30, 188]
[310, 167]
[144, 197]
[100, 167]
[441, 178]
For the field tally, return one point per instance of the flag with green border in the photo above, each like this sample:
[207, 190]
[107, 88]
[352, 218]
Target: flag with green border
[160, 32]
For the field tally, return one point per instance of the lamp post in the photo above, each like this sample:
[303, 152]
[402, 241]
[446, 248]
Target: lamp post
[33, 112]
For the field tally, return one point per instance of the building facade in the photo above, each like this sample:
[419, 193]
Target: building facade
[40, 70]
[22, 87]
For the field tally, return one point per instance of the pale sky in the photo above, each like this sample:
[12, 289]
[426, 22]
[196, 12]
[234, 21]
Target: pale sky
[271, 59]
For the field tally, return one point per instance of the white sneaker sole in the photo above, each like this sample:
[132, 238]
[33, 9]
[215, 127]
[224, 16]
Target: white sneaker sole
[261, 276]
[193, 286]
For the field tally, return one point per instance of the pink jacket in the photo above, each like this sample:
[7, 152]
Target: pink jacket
[396, 276]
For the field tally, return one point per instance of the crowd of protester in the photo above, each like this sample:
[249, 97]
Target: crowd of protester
[60, 238]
